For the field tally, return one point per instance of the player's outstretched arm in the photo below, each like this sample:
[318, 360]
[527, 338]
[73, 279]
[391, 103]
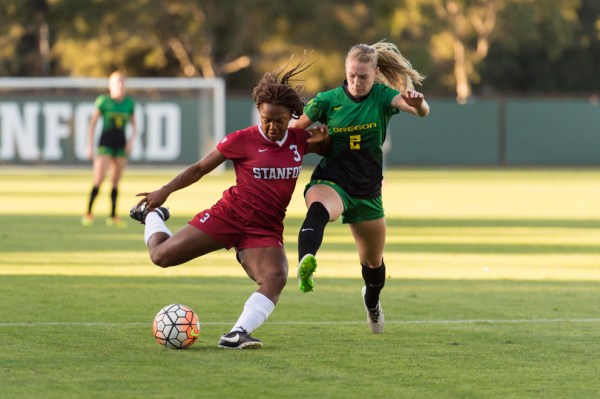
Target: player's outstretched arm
[412, 102]
[187, 177]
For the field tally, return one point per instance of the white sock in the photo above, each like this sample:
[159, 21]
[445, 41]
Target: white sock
[154, 224]
[256, 311]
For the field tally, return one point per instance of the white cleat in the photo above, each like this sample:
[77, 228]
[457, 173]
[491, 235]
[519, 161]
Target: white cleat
[375, 317]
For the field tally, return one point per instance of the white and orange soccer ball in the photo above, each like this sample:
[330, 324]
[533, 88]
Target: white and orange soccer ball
[176, 326]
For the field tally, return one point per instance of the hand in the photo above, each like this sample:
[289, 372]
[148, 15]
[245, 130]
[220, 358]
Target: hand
[318, 134]
[413, 98]
[153, 199]
[89, 152]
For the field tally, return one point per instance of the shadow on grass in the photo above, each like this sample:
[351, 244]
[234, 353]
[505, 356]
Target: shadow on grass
[31, 233]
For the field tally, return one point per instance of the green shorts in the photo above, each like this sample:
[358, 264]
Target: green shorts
[111, 152]
[355, 209]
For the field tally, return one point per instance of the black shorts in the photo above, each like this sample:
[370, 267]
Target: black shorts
[113, 139]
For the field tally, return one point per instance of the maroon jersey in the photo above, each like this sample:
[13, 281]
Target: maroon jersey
[266, 174]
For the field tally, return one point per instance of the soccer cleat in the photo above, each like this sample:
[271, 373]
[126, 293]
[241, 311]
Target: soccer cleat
[306, 268]
[116, 222]
[375, 317]
[139, 213]
[239, 340]
[87, 220]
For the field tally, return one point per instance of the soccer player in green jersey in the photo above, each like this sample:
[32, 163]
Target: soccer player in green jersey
[116, 110]
[347, 182]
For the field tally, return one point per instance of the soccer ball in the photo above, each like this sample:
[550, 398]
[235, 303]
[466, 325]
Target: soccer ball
[176, 326]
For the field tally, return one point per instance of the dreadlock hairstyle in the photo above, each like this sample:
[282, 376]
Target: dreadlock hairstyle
[273, 89]
[394, 70]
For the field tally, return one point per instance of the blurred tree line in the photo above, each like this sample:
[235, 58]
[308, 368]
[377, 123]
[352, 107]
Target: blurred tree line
[464, 47]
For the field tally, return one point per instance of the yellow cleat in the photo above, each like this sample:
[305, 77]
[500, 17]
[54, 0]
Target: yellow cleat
[306, 268]
[87, 220]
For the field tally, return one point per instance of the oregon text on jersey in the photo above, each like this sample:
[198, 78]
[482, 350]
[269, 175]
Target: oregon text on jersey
[355, 128]
[276, 173]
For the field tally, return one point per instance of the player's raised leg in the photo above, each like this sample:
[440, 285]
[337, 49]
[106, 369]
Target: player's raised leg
[324, 205]
[167, 249]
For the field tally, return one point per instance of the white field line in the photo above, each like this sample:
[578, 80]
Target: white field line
[316, 323]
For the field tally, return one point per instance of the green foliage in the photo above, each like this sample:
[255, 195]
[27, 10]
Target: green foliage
[242, 39]
[553, 39]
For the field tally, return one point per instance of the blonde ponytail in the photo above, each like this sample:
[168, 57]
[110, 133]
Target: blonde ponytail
[394, 70]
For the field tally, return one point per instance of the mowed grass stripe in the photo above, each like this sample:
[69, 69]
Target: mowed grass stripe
[315, 323]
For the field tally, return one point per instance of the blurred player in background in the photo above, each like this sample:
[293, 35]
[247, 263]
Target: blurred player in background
[267, 159]
[347, 182]
[116, 110]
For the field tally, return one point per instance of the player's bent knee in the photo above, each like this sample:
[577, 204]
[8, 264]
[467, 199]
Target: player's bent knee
[278, 278]
[160, 262]
[161, 259]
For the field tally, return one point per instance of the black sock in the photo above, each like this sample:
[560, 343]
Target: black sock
[113, 198]
[374, 281]
[93, 196]
[311, 232]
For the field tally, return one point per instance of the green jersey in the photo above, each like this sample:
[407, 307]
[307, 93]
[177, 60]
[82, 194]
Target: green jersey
[115, 116]
[357, 129]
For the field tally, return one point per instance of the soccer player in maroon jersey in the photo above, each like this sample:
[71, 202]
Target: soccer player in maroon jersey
[267, 159]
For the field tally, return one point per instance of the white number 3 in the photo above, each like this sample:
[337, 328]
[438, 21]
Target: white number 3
[297, 156]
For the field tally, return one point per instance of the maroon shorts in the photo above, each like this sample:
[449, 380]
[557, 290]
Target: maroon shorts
[225, 226]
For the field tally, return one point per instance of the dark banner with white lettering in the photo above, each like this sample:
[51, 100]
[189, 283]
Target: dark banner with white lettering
[50, 125]
[50, 131]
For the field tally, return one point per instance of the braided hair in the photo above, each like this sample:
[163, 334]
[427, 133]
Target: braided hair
[276, 90]
[394, 70]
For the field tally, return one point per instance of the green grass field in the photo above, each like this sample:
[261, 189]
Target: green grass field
[493, 292]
